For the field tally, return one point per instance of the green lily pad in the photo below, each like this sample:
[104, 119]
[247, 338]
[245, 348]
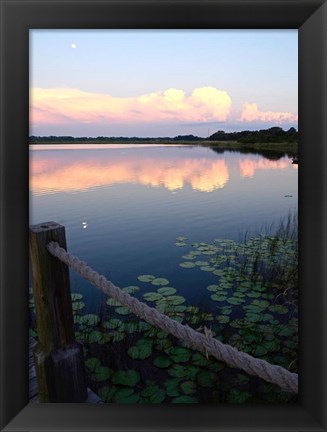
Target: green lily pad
[88, 319]
[188, 387]
[223, 319]
[238, 396]
[76, 296]
[160, 281]
[162, 362]
[131, 289]
[207, 268]
[113, 302]
[178, 371]
[206, 379]
[127, 378]
[122, 310]
[187, 264]
[172, 387]
[96, 337]
[146, 278]
[77, 305]
[92, 364]
[180, 354]
[102, 373]
[199, 359]
[174, 300]
[235, 301]
[180, 244]
[218, 297]
[201, 263]
[153, 394]
[181, 238]
[166, 291]
[152, 296]
[113, 324]
[253, 294]
[126, 395]
[141, 350]
[261, 303]
[212, 287]
[106, 393]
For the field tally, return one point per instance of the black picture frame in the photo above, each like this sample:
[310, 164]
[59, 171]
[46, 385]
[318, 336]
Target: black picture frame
[17, 17]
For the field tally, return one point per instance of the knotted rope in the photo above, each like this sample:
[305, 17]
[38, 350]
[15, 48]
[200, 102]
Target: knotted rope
[202, 342]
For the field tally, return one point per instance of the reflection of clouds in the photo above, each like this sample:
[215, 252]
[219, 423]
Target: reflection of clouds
[249, 166]
[53, 175]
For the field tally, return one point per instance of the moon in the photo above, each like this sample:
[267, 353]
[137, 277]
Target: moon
[74, 45]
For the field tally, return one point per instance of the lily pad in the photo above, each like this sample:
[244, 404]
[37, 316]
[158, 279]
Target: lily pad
[206, 379]
[102, 373]
[201, 263]
[77, 305]
[113, 302]
[131, 289]
[122, 310]
[127, 378]
[207, 268]
[174, 300]
[188, 387]
[125, 395]
[178, 371]
[141, 350]
[212, 287]
[223, 319]
[180, 354]
[160, 281]
[181, 238]
[167, 291]
[88, 319]
[218, 297]
[76, 296]
[146, 278]
[172, 387]
[235, 301]
[113, 324]
[153, 394]
[180, 244]
[152, 296]
[162, 362]
[187, 264]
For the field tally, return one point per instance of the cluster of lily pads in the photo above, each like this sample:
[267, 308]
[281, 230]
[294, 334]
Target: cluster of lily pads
[129, 361]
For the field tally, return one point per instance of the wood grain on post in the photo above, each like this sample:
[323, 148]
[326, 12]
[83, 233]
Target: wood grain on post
[58, 357]
[51, 287]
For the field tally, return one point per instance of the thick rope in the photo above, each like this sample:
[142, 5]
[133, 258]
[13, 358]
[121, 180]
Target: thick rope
[202, 342]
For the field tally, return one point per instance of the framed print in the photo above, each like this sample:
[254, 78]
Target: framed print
[156, 177]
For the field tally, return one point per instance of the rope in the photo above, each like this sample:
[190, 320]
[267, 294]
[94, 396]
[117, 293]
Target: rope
[202, 342]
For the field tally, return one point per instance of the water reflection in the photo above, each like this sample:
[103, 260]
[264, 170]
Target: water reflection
[248, 166]
[79, 170]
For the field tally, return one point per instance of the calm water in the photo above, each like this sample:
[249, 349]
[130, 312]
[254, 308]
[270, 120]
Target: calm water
[123, 206]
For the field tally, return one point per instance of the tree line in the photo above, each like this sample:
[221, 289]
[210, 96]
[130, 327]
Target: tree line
[272, 135]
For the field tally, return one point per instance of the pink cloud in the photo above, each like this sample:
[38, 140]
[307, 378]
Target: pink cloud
[251, 113]
[65, 105]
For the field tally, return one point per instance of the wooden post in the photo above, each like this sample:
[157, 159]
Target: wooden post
[58, 357]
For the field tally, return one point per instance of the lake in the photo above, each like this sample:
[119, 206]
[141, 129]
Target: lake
[206, 236]
[123, 206]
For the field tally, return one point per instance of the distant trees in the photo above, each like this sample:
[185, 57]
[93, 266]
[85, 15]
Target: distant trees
[271, 135]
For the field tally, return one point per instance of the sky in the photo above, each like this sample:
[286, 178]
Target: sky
[157, 83]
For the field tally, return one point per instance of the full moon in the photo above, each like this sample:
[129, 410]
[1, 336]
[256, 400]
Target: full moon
[74, 45]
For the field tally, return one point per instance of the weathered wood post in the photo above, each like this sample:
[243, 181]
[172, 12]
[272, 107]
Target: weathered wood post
[58, 357]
